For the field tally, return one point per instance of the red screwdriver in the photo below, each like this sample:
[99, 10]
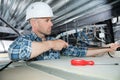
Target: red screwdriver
[81, 62]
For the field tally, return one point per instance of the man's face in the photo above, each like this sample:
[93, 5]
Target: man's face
[44, 25]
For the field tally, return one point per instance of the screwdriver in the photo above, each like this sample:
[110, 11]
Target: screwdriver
[81, 62]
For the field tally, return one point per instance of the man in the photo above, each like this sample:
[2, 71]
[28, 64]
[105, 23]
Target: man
[39, 47]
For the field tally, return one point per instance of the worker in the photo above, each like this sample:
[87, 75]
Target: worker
[39, 45]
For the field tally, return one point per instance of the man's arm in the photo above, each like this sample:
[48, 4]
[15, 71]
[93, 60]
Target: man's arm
[113, 47]
[74, 51]
[40, 47]
[84, 51]
[92, 52]
[23, 49]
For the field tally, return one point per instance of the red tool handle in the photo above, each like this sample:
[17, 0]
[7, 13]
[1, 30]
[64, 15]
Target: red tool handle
[81, 62]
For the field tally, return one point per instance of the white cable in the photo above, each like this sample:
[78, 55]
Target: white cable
[67, 33]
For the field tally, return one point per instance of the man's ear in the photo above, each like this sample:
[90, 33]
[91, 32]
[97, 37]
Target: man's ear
[33, 23]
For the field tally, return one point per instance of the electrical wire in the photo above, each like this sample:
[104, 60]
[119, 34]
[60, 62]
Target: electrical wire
[96, 36]
[6, 66]
[101, 41]
[110, 55]
[10, 26]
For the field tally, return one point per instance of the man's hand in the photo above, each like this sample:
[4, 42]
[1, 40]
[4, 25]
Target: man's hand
[58, 44]
[113, 46]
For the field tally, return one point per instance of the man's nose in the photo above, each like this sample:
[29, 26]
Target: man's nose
[51, 23]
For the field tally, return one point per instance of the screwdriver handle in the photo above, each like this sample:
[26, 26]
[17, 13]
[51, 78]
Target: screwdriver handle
[81, 62]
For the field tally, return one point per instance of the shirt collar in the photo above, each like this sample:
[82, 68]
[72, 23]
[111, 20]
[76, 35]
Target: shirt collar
[39, 39]
[36, 37]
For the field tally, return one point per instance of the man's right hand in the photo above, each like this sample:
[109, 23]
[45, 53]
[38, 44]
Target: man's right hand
[58, 44]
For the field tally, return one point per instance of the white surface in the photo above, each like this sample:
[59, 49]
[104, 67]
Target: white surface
[63, 68]
[6, 44]
[23, 72]
[4, 59]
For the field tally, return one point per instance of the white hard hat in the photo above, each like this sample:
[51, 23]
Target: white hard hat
[38, 9]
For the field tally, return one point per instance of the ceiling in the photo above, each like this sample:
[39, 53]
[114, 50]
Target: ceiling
[69, 14]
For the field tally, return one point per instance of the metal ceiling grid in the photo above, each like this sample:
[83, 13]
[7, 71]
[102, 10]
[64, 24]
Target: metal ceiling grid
[66, 11]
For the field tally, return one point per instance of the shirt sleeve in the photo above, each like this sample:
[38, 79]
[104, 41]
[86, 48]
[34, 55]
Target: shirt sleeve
[20, 49]
[75, 51]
